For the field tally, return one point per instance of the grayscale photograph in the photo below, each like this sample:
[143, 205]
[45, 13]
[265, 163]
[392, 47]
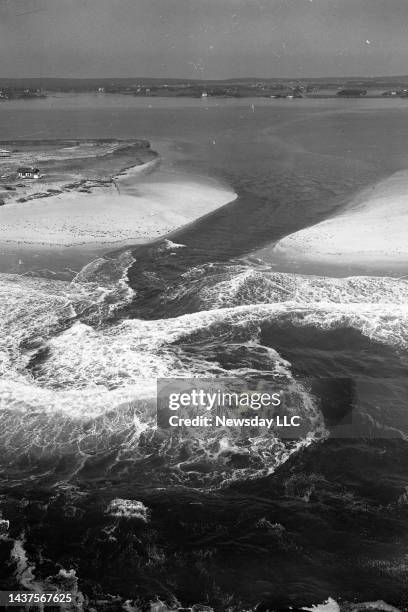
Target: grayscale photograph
[204, 305]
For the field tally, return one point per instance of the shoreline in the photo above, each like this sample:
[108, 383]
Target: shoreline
[142, 202]
[157, 220]
[369, 233]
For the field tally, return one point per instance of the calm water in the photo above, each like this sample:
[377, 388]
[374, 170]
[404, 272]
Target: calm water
[233, 522]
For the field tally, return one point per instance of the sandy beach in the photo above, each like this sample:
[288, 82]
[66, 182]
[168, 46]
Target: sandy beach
[371, 231]
[137, 206]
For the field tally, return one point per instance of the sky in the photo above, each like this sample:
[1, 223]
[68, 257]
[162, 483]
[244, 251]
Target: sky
[209, 39]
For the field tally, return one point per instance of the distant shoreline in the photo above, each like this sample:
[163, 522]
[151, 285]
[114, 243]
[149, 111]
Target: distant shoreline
[35, 88]
[248, 95]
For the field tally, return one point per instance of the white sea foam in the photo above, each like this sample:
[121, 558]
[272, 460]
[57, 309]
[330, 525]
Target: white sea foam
[107, 372]
[170, 245]
[63, 581]
[262, 286]
[331, 605]
[328, 606]
[128, 509]
[64, 358]
[96, 367]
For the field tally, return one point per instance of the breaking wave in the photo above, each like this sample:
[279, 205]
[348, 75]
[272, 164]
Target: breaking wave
[79, 378]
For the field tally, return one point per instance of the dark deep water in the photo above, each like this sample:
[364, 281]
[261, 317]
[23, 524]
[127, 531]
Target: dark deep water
[236, 524]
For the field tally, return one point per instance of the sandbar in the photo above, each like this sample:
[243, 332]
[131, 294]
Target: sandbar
[139, 205]
[371, 231]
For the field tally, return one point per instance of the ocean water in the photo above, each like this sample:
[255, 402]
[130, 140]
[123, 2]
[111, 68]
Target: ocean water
[101, 500]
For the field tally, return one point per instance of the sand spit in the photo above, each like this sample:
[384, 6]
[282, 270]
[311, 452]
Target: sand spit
[137, 204]
[134, 208]
[372, 231]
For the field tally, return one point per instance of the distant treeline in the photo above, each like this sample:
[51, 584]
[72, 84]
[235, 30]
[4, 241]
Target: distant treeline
[12, 93]
[237, 88]
[237, 84]
[352, 93]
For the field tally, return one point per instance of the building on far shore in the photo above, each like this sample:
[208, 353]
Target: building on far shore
[4, 153]
[28, 172]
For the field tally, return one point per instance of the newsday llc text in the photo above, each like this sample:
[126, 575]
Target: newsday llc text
[202, 404]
